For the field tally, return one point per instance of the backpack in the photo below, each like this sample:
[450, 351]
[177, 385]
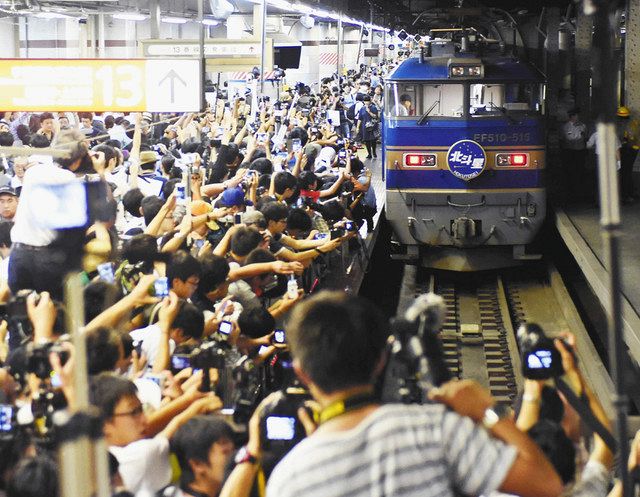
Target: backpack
[351, 112]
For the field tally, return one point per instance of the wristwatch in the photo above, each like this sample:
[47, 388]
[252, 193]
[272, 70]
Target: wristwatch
[494, 414]
[243, 455]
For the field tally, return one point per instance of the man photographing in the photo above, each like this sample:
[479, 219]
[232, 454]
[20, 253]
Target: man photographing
[363, 448]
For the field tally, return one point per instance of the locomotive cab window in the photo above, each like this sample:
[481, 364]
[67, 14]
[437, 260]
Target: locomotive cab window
[429, 100]
[505, 99]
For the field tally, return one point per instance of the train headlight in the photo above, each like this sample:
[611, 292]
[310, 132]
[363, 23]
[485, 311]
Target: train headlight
[420, 160]
[466, 70]
[512, 160]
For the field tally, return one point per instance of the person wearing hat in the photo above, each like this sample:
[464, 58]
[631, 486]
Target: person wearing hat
[149, 182]
[574, 152]
[8, 203]
[629, 133]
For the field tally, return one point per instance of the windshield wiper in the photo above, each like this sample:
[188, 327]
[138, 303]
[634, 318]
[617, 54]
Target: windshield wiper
[502, 111]
[424, 116]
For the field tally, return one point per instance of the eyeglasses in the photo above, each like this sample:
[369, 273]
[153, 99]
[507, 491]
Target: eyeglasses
[192, 282]
[134, 413]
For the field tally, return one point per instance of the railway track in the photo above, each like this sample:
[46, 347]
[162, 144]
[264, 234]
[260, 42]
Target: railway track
[483, 312]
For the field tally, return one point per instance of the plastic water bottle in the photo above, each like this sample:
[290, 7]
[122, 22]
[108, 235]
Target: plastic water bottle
[292, 287]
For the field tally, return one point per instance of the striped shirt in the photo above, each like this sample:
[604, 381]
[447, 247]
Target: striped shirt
[406, 450]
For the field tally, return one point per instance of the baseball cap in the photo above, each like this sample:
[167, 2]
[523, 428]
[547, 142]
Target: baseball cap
[254, 217]
[7, 190]
[234, 196]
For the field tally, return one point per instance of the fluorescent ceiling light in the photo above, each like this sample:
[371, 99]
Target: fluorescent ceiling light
[174, 20]
[129, 16]
[52, 15]
[210, 22]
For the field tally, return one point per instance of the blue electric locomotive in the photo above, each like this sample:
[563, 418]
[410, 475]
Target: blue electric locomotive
[464, 151]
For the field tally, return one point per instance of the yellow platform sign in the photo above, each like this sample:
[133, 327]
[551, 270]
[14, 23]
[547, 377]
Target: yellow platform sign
[119, 85]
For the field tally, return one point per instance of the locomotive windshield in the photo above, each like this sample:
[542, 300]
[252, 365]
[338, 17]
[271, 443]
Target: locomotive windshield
[416, 99]
[449, 100]
[511, 98]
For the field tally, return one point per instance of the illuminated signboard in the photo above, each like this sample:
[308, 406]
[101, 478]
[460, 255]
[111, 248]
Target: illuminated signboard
[119, 85]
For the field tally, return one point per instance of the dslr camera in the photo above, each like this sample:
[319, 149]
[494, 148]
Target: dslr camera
[540, 358]
[280, 427]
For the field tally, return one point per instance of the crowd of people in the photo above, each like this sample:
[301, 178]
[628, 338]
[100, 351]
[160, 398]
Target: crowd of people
[198, 239]
[194, 236]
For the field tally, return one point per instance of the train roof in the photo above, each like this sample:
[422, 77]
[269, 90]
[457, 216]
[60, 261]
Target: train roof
[497, 69]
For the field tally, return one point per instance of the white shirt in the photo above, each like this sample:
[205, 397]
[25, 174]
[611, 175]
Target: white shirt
[26, 229]
[144, 465]
[150, 338]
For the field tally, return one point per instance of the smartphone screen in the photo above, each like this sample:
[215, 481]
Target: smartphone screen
[225, 328]
[105, 270]
[161, 287]
[6, 416]
[279, 337]
[281, 428]
[296, 144]
[180, 362]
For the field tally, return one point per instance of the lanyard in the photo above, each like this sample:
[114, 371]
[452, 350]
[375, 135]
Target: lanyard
[343, 406]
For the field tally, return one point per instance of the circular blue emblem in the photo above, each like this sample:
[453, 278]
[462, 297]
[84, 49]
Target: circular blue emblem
[466, 159]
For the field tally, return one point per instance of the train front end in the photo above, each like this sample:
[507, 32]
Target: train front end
[464, 149]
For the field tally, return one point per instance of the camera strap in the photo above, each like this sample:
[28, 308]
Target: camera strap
[343, 406]
[586, 414]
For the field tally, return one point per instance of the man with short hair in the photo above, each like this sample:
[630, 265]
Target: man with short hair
[8, 203]
[338, 343]
[203, 447]
[144, 462]
[276, 215]
[183, 273]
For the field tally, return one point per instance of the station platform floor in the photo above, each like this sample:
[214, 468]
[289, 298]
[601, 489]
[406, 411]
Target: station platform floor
[579, 227]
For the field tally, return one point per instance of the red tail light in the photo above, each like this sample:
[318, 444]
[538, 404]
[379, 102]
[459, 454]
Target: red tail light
[420, 160]
[512, 160]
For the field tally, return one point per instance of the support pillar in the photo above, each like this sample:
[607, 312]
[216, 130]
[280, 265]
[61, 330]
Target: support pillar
[552, 58]
[154, 12]
[582, 83]
[632, 58]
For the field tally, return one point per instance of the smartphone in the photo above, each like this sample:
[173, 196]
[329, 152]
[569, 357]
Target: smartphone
[261, 138]
[198, 244]
[320, 236]
[56, 381]
[180, 362]
[281, 427]
[237, 218]
[279, 337]
[225, 328]
[105, 270]
[296, 145]
[137, 346]
[349, 226]
[181, 193]
[161, 287]
[263, 349]
[6, 418]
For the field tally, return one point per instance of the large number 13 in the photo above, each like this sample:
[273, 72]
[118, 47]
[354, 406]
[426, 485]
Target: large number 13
[129, 80]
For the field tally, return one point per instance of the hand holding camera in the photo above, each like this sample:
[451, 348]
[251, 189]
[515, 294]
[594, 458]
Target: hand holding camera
[42, 314]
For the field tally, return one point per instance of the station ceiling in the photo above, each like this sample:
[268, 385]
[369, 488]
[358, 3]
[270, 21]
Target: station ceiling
[394, 14]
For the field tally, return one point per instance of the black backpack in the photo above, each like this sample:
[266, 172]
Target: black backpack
[351, 112]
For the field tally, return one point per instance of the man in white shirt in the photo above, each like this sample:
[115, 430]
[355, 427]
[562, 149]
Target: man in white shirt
[36, 262]
[143, 462]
